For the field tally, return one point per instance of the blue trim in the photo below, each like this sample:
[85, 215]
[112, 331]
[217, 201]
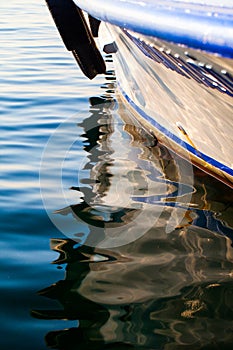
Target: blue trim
[175, 138]
[202, 25]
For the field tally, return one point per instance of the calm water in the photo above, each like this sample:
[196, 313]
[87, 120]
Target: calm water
[108, 240]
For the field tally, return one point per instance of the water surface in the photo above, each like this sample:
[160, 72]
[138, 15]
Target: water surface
[108, 240]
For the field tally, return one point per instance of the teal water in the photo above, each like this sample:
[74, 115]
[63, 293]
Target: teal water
[108, 240]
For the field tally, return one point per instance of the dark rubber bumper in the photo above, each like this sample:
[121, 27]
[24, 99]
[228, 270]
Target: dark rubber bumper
[76, 36]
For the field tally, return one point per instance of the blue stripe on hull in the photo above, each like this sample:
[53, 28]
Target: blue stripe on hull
[176, 139]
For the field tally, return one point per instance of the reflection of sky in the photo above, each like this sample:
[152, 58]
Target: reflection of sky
[40, 87]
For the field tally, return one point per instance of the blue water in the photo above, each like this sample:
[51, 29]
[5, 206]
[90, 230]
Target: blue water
[108, 240]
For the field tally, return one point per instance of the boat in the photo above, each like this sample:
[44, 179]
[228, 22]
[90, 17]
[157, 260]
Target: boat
[174, 67]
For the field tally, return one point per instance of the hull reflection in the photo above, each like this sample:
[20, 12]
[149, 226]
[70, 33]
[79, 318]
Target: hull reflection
[169, 287]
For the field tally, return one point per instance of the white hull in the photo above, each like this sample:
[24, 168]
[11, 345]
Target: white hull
[184, 95]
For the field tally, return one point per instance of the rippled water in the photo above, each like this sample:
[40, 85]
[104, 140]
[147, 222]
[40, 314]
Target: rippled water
[140, 242]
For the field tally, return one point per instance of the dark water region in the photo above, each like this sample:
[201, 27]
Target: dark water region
[108, 239]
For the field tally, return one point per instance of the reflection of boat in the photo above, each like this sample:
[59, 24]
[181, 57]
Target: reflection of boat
[162, 290]
[174, 67]
[135, 302]
[130, 181]
[126, 167]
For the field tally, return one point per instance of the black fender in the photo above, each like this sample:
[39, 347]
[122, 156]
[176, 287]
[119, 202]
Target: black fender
[77, 36]
[94, 24]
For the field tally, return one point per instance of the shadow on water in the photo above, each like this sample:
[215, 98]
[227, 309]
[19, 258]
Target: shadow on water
[169, 287]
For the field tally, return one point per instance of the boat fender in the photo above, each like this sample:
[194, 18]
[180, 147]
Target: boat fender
[77, 36]
[94, 25]
[110, 48]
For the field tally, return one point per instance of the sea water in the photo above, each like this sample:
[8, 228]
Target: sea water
[108, 239]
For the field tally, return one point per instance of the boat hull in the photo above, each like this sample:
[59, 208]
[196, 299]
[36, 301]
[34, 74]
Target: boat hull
[174, 66]
[185, 96]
